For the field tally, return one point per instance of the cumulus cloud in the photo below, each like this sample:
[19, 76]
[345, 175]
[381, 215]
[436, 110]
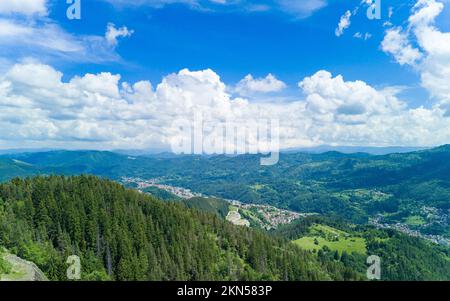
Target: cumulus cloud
[25, 7]
[431, 57]
[397, 44]
[249, 85]
[343, 24]
[332, 98]
[99, 111]
[113, 33]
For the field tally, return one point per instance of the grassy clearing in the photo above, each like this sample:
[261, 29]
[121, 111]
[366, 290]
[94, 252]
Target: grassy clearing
[414, 220]
[337, 240]
[257, 187]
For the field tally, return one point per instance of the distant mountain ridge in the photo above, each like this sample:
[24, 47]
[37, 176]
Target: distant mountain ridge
[86, 161]
[383, 150]
[401, 186]
[114, 165]
[357, 149]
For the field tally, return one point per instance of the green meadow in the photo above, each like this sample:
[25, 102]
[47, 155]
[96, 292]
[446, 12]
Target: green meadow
[415, 220]
[337, 240]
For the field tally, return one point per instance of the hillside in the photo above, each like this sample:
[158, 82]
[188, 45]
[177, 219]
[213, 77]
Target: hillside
[402, 257]
[10, 168]
[211, 205]
[122, 234]
[410, 189]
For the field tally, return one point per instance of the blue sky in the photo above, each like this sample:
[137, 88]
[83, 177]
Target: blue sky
[371, 82]
[237, 42]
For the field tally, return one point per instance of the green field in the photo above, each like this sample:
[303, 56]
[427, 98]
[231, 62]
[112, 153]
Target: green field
[415, 220]
[337, 240]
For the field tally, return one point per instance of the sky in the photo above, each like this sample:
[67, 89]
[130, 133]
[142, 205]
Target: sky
[126, 72]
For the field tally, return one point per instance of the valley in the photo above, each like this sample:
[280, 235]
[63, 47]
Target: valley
[333, 208]
[241, 214]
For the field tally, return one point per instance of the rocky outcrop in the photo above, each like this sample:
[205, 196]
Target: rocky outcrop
[22, 270]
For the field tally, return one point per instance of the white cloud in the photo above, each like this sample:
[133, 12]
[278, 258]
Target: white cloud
[425, 12]
[433, 49]
[343, 24]
[46, 40]
[98, 111]
[397, 44]
[25, 7]
[347, 101]
[27, 31]
[113, 33]
[39, 109]
[15, 33]
[249, 85]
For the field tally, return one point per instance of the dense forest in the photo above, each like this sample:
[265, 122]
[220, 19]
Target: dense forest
[409, 188]
[402, 257]
[122, 234]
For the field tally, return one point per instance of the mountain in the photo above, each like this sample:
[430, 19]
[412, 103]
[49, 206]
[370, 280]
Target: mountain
[24, 150]
[211, 205]
[402, 257]
[122, 234]
[10, 168]
[356, 149]
[412, 189]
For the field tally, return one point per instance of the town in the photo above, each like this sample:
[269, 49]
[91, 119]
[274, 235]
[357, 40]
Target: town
[177, 191]
[241, 214]
[437, 239]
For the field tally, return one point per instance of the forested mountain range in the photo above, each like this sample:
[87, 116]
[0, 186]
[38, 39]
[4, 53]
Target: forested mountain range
[122, 234]
[408, 188]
